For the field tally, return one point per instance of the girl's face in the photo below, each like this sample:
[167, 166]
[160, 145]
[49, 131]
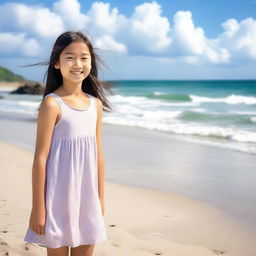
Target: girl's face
[74, 62]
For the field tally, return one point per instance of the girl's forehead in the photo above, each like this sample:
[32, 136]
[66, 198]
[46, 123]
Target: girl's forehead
[77, 47]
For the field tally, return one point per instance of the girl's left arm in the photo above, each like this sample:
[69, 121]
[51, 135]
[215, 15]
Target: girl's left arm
[100, 152]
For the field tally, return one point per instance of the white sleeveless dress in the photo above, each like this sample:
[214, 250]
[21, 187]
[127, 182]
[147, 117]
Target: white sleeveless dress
[73, 210]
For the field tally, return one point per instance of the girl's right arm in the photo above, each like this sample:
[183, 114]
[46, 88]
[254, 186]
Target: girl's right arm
[46, 120]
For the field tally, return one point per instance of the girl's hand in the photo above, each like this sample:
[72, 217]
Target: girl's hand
[102, 206]
[37, 220]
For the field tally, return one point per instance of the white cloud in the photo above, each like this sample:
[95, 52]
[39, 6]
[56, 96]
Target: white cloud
[103, 20]
[190, 41]
[18, 44]
[103, 24]
[107, 43]
[69, 11]
[10, 42]
[187, 39]
[30, 47]
[146, 32]
[28, 26]
[239, 38]
[36, 20]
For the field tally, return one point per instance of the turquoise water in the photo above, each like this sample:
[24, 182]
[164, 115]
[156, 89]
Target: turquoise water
[217, 112]
[221, 113]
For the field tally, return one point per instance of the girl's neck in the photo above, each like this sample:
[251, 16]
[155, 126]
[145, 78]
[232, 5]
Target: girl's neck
[72, 88]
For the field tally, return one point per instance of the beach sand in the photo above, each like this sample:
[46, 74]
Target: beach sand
[139, 221]
[10, 85]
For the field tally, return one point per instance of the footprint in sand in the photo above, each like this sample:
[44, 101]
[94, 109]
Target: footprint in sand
[2, 203]
[169, 217]
[219, 252]
[3, 243]
[4, 247]
[116, 245]
[29, 246]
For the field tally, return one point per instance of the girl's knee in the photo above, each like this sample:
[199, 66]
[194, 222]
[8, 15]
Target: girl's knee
[61, 251]
[82, 250]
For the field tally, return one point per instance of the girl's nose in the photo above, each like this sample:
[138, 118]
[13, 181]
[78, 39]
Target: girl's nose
[77, 63]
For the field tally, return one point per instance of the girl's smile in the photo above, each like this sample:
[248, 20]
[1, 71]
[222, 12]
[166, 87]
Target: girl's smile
[76, 73]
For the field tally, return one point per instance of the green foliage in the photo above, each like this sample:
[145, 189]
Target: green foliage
[8, 76]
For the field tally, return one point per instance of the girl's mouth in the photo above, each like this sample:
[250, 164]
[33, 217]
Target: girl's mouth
[76, 72]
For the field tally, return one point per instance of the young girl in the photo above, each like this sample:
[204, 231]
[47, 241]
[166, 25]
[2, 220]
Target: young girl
[68, 177]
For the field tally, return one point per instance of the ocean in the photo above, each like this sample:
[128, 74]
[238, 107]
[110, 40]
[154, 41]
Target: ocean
[215, 112]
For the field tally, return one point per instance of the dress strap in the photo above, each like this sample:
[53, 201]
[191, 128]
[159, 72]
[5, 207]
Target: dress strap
[94, 103]
[57, 98]
[63, 105]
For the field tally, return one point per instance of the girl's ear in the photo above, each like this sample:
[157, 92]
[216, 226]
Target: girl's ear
[57, 65]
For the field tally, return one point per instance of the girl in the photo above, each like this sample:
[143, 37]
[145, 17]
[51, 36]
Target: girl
[68, 177]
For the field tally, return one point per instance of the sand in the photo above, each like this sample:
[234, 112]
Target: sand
[139, 221]
[10, 85]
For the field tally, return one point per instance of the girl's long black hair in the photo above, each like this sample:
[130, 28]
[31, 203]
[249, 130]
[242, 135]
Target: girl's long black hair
[91, 84]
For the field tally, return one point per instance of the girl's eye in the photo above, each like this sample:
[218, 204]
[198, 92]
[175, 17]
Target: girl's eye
[70, 58]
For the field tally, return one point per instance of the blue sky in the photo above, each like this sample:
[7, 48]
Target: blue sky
[209, 14]
[185, 39]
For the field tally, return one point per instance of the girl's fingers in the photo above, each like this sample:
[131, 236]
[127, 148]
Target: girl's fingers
[41, 229]
[36, 230]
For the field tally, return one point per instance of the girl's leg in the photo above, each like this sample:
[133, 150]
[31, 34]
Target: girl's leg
[61, 251]
[82, 250]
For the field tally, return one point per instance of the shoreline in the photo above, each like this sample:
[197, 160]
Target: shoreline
[175, 225]
[218, 135]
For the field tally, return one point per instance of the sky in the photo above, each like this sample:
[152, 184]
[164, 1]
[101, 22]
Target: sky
[138, 40]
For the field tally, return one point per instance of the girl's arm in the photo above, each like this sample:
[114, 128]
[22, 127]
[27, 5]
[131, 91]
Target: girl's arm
[47, 116]
[100, 152]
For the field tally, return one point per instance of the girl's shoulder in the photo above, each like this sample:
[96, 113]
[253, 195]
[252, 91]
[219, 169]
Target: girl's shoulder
[49, 98]
[50, 101]
[94, 97]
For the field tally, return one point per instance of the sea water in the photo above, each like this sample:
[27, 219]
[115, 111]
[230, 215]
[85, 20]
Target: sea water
[217, 112]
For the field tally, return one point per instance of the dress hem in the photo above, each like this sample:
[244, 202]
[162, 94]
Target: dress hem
[69, 245]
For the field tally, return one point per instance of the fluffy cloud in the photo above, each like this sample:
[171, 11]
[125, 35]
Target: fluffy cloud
[239, 39]
[13, 44]
[103, 20]
[36, 20]
[107, 43]
[145, 33]
[191, 43]
[69, 11]
[187, 39]
[29, 27]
